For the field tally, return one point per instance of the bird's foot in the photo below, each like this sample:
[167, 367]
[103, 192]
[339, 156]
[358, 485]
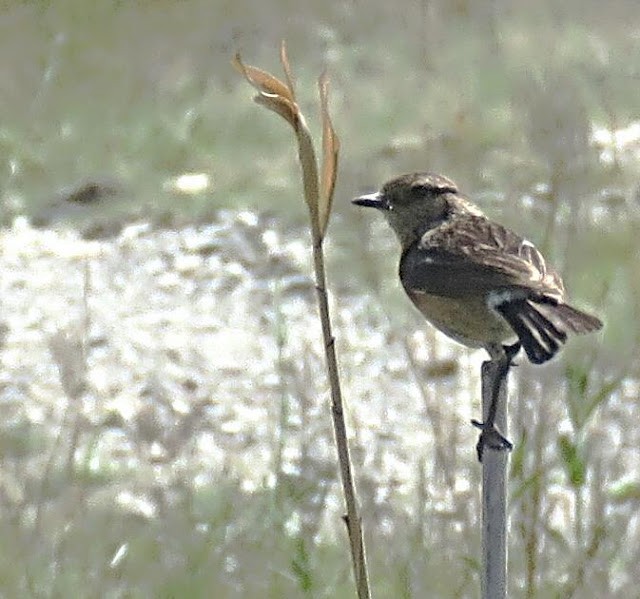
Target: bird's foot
[490, 437]
[511, 351]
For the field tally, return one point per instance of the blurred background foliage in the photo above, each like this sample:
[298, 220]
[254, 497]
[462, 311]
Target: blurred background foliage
[117, 112]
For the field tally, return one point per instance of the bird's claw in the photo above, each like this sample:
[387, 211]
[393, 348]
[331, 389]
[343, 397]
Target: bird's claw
[490, 437]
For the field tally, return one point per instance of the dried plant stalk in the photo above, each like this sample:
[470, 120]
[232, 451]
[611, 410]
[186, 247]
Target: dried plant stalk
[279, 97]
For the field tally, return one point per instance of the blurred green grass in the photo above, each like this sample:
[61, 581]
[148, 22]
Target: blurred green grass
[146, 91]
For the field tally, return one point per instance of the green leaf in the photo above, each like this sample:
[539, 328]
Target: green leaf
[517, 458]
[624, 491]
[301, 566]
[573, 463]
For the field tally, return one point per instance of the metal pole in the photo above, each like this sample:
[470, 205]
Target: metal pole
[494, 494]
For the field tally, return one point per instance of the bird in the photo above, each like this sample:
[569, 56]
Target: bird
[478, 282]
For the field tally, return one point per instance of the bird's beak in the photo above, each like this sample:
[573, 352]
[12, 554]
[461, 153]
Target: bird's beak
[372, 200]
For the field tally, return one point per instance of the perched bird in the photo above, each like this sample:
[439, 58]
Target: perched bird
[475, 280]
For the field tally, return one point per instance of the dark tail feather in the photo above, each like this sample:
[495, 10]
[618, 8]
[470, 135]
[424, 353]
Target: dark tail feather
[542, 325]
[575, 321]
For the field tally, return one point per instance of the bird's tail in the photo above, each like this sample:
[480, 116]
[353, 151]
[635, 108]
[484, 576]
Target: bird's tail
[542, 325]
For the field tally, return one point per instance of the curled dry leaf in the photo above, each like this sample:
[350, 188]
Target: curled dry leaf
[330, 149]
[261, 80]
[279, 97]
[284, 59]
[272, 93]
[281, 106]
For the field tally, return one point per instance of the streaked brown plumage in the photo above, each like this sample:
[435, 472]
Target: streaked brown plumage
[473, 279]
[476, 281]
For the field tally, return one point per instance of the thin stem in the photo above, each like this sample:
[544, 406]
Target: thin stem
[352, 518]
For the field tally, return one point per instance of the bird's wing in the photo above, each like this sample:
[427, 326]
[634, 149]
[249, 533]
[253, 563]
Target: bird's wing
[468, 255]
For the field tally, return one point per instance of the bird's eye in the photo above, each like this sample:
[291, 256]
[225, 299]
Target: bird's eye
[422, 189]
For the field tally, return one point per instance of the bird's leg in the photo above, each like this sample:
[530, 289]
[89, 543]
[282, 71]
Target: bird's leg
[490, 435]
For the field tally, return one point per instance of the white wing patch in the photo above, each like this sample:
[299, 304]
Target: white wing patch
[502, 296]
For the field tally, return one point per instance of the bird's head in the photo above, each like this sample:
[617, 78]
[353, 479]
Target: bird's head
[415, 203]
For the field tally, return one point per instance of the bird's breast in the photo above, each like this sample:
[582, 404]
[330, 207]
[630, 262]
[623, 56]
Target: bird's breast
[468, 320]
